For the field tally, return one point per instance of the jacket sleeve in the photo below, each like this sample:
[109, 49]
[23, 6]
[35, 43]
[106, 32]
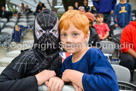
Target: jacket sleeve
[95, 37]
[13, 79]
[102, 77]
[96, 4]
[115, 15]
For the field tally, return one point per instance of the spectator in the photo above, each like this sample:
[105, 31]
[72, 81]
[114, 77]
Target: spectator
[106, 7]
[87, 69]
[70, 8]
[22, 8]
[76, 6]
[128, 47]
[5, 14]
[34, 67]
[102, 28]
[39, 7]
[43, 7]
[122, 14]
[81, 9]
[87, 8]
[93, 37]
[27, 10]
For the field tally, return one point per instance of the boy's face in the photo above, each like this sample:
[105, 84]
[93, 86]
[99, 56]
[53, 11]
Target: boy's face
[122, 0]
[99, 19]
[73, 39]
[3, 8]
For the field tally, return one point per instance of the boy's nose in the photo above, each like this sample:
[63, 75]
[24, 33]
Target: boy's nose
[69, 39]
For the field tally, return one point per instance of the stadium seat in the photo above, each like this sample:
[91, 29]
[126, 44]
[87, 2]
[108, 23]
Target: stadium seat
[126, 86]
[107, 48]
[1, 69]
[13, 54]
[5, 61]
[122, 73]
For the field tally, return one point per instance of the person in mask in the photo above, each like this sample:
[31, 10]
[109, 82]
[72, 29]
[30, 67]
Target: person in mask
[36, 66]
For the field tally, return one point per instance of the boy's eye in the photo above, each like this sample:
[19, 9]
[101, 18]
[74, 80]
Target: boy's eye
[75, 34]
[63, 35]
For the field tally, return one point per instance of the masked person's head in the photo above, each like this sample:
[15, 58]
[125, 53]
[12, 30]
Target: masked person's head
[46, 36]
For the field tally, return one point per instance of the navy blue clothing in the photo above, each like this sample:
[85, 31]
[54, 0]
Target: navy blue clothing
[123, 14]
[75, 8]
[17, 33]
[87, 8]
[98, 73]
[104, 6]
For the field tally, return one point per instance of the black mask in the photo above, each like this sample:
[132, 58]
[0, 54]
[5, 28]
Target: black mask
[46, 36]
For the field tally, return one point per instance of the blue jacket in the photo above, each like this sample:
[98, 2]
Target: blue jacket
[123, 14]
[104, 6]
[17, 33]
[98, 73]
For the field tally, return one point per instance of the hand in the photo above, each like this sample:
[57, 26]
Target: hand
[111, 12]
[44, 76]
[66, 75]
[77, 88]
[100, 36]
[39, 11]
[116, 25]
[54, 84]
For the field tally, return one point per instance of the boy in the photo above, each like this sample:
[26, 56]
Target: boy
[101, 28]
[105, 7]
[122, 14]
[34, 67]
[87, 69]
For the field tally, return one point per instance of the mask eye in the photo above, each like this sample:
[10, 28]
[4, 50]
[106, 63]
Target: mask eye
[55, 31]
[40, 31]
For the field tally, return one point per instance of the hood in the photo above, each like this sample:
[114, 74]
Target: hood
[133, 23]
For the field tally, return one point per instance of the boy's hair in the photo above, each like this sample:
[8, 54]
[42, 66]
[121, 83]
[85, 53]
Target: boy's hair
[99, 15]
[77, 18]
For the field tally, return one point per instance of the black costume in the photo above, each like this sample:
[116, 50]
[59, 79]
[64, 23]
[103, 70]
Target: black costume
[19, 74]
[93, 36]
